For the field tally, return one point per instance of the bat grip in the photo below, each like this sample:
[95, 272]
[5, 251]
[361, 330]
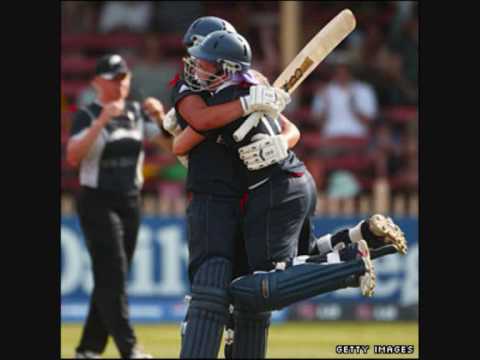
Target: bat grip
[246, 126]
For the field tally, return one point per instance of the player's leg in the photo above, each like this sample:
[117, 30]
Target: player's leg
[251, 333]
[246, 333]
[212, 226]
[129, 213]
[240, 268]
[273, 290]
[307, 242]
[104, 237]
[94, 335]
[378, 230]
[208, 308]
[272, 227]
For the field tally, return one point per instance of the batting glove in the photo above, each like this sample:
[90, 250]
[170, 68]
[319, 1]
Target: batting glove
[265, 151]
[170, 123]
[266, 99]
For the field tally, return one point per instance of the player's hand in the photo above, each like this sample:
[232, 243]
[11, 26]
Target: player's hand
[266, 99]
[170, 123]
[111, 110]
[154, 108]
[264, 151]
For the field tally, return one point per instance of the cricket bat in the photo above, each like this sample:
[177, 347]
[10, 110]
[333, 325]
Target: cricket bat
[307, 60]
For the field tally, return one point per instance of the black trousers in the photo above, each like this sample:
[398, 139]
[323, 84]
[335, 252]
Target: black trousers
[110, 223]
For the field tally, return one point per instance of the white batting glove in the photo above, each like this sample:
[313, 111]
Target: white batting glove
[183, 160]
[170, 123]
[266, 99]
[265, 151]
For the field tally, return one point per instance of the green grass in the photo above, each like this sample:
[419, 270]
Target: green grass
[288, 340]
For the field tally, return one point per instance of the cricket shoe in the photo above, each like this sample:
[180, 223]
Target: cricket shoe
[386, 231]
[87, 355]
[137, 353]
[368, 279]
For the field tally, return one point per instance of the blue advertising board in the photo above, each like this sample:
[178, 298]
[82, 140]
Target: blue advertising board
[158, 279]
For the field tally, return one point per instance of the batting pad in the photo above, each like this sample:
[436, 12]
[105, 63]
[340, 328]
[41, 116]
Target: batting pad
[267, 291]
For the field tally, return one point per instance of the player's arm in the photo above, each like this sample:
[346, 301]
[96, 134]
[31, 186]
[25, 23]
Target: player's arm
[185, 141]
[268, 150]
[261, 98]
[289, 131]
[85, 132]
[188, 138]
[202, 117]
[154, 110]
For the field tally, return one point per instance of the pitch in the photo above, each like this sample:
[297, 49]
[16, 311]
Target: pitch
[288, 340]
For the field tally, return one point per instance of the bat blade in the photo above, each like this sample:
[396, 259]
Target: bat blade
[316, 50]
[306, 61]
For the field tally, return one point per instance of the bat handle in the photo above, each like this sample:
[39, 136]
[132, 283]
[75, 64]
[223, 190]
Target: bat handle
[246, 126]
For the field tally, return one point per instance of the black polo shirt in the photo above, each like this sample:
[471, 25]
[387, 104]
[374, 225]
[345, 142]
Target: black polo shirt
[115, 160]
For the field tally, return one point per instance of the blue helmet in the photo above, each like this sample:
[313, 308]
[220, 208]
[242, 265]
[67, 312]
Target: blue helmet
[228, 50]
[224, 47]
[204, 26]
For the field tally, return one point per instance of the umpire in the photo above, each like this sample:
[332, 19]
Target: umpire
[107, 144]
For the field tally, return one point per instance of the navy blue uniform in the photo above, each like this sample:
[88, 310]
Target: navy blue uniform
[214, 221]
[217, 183]
[281, 197]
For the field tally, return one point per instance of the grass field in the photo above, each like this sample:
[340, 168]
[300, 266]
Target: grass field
[287, 340]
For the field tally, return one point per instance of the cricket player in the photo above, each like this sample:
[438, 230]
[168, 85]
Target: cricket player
[216, 185]
[197, 31]
[272, 225]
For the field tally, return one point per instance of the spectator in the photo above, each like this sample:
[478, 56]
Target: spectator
[133, 16]
[344, 109]
[151, 74]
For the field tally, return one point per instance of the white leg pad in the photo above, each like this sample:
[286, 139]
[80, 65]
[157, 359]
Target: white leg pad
[324, 244]
[355, 233]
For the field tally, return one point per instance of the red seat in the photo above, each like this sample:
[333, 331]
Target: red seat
[71, 88]
[400, 113]
[351, 162]
[78, 65]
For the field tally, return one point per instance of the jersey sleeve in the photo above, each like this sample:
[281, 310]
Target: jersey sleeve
[80, 123]
[179, 91]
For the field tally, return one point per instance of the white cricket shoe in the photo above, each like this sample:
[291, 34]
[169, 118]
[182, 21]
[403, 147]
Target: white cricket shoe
[87, 355]
[368, 279]
[139, 354]
[384, 227]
